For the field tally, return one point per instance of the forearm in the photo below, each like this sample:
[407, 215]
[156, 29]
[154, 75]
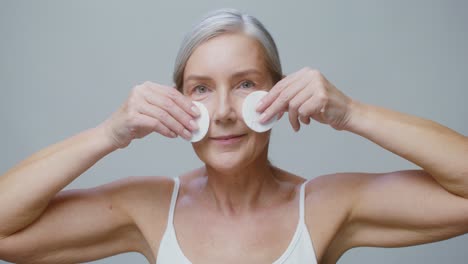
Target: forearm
[440, 151]
[27, 188]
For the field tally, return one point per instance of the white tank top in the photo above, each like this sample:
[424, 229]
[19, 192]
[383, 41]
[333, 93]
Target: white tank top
[299, 251]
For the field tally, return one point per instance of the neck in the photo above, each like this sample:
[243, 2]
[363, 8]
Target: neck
[240, 190]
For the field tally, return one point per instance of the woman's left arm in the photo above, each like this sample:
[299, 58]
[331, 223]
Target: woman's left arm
[440, 151]
[394, 209]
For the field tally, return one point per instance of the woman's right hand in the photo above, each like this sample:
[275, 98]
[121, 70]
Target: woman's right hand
[152, 107]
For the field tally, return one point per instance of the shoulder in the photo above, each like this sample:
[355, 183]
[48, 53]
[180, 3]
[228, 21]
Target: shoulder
[336, 184]
[329, 200]
[337, 190]
[134, 192]
[141, 185]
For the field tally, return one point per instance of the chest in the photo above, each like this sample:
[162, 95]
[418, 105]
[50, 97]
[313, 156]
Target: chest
[258, 238]
[204, 237]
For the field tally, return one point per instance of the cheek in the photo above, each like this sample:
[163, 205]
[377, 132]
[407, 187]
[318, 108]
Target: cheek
[257, 141]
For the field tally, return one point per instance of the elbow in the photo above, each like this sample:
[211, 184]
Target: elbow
[455, 182]
[460, 189]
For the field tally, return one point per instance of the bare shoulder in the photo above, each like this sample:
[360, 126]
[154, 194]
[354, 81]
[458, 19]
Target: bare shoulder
[140, 195]
[138, 187]
[339, 185]
[328, 203]
[146, 199]
[89, 224]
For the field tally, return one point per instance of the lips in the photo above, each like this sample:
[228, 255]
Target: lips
[226, 137]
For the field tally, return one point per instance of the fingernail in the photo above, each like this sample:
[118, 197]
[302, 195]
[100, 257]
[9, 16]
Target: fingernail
[193, 125]
[173, 135]
[187, 134]
[195, 110]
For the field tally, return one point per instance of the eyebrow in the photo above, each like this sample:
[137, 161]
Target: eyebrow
[235, 75]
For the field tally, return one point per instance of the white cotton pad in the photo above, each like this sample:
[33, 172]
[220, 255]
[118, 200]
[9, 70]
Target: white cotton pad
[251, 116]
[203, 122]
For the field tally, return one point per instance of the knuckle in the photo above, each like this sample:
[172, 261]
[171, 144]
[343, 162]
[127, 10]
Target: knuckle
[147, 83]
[156, 124]
[303, 112]
[321, 80]
[275, 90]
[271, 95]
[294, 105]
[135, 90]
[172, 93]
[323, 97]
[166, 132]
[162, 115]
[132, 102]
[283, 98]
[168, 104]
[132, 115]
[187, 121]
[313, 72]
[180, 129]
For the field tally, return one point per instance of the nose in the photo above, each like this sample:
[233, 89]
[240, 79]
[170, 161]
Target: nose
[224, 111]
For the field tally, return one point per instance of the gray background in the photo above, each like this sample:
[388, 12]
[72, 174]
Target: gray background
[65, 66]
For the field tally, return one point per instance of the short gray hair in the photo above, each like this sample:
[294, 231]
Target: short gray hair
[224, 21]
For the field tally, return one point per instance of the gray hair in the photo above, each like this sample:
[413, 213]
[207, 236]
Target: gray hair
[224, 21]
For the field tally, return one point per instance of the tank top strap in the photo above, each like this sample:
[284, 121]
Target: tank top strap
[302, 202]
[175, 191]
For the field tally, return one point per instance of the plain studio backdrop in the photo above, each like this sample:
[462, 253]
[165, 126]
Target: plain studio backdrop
[65, 66]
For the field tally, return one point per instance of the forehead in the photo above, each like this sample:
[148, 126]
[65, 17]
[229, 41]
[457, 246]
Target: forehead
[224, 54]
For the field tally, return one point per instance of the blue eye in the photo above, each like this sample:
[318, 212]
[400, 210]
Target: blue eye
[247, 84]
[200, 89]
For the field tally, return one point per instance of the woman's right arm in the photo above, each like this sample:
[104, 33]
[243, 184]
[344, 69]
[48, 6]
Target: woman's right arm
[26, 189]
[32, 209]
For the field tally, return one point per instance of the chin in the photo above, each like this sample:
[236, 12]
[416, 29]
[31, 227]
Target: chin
[226, 161]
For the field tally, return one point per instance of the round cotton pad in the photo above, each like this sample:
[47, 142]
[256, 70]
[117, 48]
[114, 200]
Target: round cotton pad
[203, 122]
[251, 116]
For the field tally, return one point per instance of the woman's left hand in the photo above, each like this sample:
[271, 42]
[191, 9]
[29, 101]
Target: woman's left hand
[307, 94]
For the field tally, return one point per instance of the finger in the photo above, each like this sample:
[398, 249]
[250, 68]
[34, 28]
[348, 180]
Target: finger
[173, 109]
[313, 105]
[304, 120]
[166, 119]
[149, 124]
[301, 97]
[294, 122]
[283, 100]
[275, 91]
[183, 102]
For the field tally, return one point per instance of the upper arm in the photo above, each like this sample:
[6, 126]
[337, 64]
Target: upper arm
[80, 225]
[402, 208]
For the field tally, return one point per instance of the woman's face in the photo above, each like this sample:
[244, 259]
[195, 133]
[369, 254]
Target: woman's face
[220, 73]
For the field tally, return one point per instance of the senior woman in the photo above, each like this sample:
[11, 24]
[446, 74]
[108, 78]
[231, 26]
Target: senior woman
[238, 207]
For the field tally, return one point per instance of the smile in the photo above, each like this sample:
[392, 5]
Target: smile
[227, 140]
